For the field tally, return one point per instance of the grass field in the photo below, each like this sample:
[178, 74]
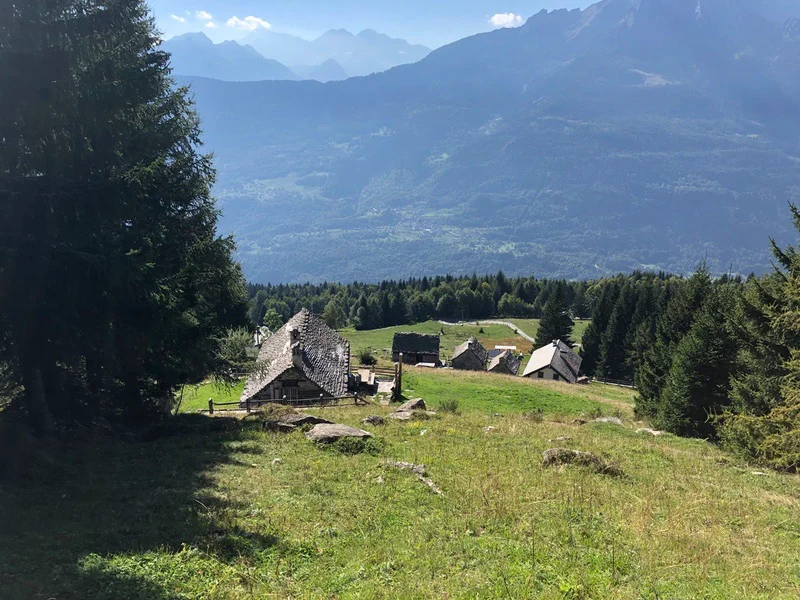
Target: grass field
[531, 327]
[195, 397]
[200, 509]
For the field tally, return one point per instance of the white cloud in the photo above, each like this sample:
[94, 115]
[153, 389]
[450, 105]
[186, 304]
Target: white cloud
[203, 15]
[211, 25]
[178, 19]
[506, 20]
[248, 23]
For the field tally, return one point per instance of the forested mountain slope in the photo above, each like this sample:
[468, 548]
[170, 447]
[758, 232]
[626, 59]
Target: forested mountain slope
[652, 133]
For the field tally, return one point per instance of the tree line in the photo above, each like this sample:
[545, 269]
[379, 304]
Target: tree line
[389, 303]
[114, 286]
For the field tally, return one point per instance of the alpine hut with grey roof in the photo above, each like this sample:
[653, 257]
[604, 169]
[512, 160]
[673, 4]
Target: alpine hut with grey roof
[304, 359]
[416, 348]
[555, 361]
[505, 363]
[470, 356]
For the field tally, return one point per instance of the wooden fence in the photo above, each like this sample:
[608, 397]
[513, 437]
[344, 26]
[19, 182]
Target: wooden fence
[319, 402]
[618, 382]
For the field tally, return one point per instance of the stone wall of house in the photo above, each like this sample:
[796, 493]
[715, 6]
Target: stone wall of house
[467, 361]
[274, 392]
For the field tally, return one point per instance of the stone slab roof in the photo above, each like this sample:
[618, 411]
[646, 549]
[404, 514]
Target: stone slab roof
[415, 343]
[306, 343]
[474, 346]
[512, 362]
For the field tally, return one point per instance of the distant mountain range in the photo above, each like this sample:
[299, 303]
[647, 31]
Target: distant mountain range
[264, 54]
[195, 54]
[362, 54]
[633, 134]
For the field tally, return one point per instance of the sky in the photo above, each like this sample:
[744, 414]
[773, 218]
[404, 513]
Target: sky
[430, 22]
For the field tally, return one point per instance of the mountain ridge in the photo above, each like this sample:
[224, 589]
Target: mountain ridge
[591, 143]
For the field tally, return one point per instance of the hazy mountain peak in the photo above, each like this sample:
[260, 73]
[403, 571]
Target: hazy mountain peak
[337, 33]
[197, 37]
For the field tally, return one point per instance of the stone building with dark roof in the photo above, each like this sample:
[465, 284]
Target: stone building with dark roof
[470, 356]
[505, 363]
[302, 360]
[416, 348]
[556, 361]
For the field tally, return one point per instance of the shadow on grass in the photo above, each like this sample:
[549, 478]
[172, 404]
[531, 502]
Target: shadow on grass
[68, 519]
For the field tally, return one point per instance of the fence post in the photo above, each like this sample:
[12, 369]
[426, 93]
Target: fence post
[398, 386]
[247, 405]
[211, 406]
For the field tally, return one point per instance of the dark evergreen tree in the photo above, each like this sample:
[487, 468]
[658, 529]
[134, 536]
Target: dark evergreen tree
[698, 383]
[613, 351]
[593, 335]
[556, 323]
[115, 283]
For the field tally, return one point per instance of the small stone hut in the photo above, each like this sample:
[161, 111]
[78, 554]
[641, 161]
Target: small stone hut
[470, 356]
[416, 348]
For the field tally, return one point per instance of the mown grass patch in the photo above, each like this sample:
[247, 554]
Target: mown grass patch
[203, 510]
[531, 327]
[380, 340]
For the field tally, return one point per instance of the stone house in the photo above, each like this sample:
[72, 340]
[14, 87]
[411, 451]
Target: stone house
[556, 362]
[470, 356]
[505, 363]
[302, 360]
[416, 348]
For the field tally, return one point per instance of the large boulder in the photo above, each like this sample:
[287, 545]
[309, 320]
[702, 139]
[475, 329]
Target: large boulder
[611, 420]
[330, 432]
[300, 419]
[401, 415]
[413, 404]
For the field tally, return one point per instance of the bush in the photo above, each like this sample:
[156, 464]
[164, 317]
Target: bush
[366, 357]
[449, 406]
[352, 446]
[272, 411]
[772, 440]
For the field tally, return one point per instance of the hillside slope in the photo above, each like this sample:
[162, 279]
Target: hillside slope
[219, 517]
[631, 134]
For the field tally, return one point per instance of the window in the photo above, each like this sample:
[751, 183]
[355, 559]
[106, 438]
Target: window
[540, 374]
[555, 376]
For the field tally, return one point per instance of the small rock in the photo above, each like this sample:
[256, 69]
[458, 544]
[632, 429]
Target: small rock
[423, 432]
[254, 465]
[497, 415]
[758, 473]
[565, 456]
[489, 429]
[406, 466]
[650, 431]
[279, 427]
[330, 432]
[374, 420]
[400, 416]
[579, 421]
[563, 438]
[414, 404]
[379, 479]
[612, 420]
[276, 462]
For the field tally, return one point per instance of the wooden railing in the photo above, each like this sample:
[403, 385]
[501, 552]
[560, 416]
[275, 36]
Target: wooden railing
[321, 401]
[619, 382]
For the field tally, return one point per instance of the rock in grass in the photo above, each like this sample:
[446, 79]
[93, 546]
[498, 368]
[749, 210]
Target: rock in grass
[565, 456]
[414, 404]
[300, 419]
[374, 420]
[400, 415]
[279, 427]
[406, 466]
[650, 431]
[564, 438]
[612, 420]
[579, 421]
[330, 432]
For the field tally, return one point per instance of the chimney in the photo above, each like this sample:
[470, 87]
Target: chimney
[297, 354]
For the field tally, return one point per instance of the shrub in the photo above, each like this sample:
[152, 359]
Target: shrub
[272, 411]
[481, 330]
[352, 446]
[449, 406]
[366, 357]
[772, 440]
